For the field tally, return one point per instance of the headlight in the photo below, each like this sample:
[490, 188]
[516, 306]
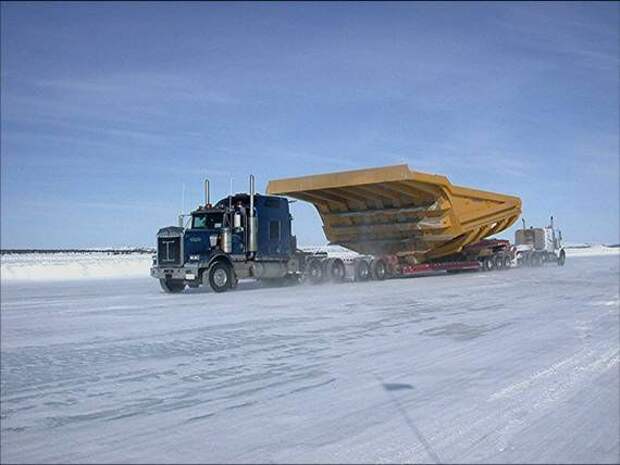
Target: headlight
[194, 258]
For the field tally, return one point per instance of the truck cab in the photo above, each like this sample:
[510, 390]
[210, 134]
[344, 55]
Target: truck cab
[536, 246]
[241, 236]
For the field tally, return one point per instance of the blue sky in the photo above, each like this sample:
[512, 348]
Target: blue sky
[108, 109]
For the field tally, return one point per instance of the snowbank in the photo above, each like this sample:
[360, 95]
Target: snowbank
[591, 250]
[71, 266]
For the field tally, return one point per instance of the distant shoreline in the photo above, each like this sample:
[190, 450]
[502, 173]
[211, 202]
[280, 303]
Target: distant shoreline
[137, 250]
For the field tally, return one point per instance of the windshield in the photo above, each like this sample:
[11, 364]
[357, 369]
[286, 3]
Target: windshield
[208, 221]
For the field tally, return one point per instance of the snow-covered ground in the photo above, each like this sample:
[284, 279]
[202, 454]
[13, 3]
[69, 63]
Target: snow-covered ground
[513, 366]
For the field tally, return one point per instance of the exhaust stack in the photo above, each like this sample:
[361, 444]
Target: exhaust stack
[207, 199]
[253, 221]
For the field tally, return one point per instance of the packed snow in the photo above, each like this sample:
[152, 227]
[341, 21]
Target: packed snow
[510, 366]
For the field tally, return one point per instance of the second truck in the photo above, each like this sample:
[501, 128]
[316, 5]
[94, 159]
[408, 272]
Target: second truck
[400, 223]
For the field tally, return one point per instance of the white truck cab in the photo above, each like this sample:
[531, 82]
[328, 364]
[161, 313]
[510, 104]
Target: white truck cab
[536, 246]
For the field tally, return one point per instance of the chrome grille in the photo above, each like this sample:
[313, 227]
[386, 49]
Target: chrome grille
[169, 251]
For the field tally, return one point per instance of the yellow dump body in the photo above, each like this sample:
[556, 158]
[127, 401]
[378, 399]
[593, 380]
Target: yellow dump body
[396, 211]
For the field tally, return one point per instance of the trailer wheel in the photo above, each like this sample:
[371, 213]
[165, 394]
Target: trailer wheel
[220, 277]
[379, 269]
[335, 270]
[507, 262]
[488, 264]
[529, 261]
[562, 258]
[315, 272]
[362, 271]
[536, 260]
[498, 261]
[172, 286]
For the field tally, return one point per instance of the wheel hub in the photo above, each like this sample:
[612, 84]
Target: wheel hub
[220, 277]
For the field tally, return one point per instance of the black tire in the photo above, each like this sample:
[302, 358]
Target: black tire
[220, 277]
[379, 270]
[562, 258]
[361, 271]
[172, 286]
[498, 261]
[335, 270]
[507, 262]
[316, 271]
[531, 260]
[488, 264]
[523, 259]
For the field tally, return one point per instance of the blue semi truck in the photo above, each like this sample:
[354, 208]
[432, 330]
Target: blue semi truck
[240, 236]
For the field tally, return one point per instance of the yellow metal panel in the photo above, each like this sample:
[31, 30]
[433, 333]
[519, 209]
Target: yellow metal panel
[394, 210]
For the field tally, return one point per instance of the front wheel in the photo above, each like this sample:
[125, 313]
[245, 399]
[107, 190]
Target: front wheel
[220, 277]
[172, 286]
[562, 258]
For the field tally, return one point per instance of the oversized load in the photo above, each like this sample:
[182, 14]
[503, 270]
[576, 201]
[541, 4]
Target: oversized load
[396, 211]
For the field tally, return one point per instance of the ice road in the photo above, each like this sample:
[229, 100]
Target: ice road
[511, 366]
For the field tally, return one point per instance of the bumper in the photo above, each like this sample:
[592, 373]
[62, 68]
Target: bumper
[186, 273]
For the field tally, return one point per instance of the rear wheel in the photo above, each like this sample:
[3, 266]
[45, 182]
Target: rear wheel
[498, 261]
[362, 270]
[507, 262]
[488, 264]
[220, 277]
[315, 272]
[172, 286]
[379, 270]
